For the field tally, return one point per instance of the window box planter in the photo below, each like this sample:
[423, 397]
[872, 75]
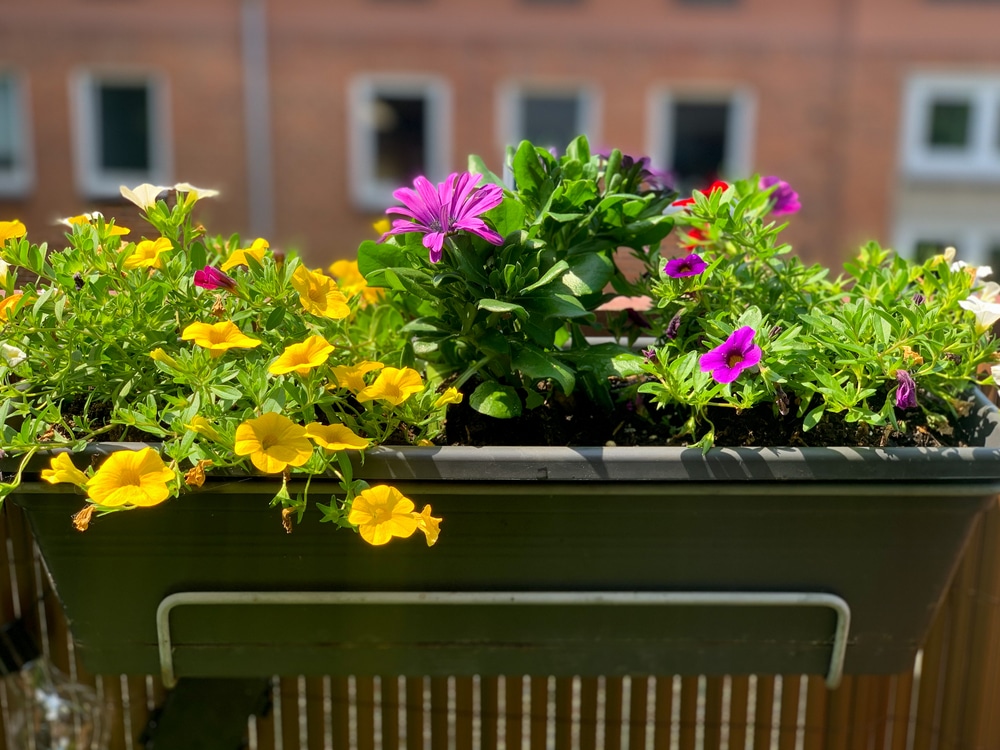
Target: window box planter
[553, 561]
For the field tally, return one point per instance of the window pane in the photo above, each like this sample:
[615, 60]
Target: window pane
[949, 125]
[550, 121]
[8, 147]
[123, 114]
[400, 137]
[927, 249]
[699, 148]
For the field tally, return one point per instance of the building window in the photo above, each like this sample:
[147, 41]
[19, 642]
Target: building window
[399, 130]
[700, 138]
[121, 132]
[951, 127]
[975, 244]
[15, 154]
[548, 117]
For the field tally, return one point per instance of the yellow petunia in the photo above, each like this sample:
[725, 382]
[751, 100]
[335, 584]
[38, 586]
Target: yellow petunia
[8, 303]
[382, 512]
[352, 282]
[382, 226]
[110, 230]
[203, 427]
[319, 294]
[61, 469]
[144, 195]
[131, 478]
[161, 356]
[335, 437]
[11, 230]
[393, 385]
[218, 337]
[352, 377]
[257, 250]
[301, 358]
[428, 524]
[450, 396]
[273, 441]
[147, 254]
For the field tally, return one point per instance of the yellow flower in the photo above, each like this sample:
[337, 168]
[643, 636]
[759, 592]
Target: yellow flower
[351, 282]
[131, 478]
[319, 294]
[62, 470]
[301, 358]
[147, 254]
[450, 396]
[353, 376]
[88, 219]
[256, 251]
[273, 441]
[218, 337]
[393, 385]
[159, 355]
[144, 195]
[335, 437]
[382, 226]
[7, 303]
[428, 524]
[203, 427]
[380, 513]
[11, 230]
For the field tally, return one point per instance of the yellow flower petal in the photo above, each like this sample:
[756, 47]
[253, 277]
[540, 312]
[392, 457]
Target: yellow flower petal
[161, 356]
[319, 294]
[218, 337]
[10, 230]
[335, 437]
[8, 303]
[393, 385]
[256, 251]
[273, 441]
[428, 524]
[147, 254]
[450, 396]
[131, 478]
[382, 512]
[303, 357]
[353, 376]
[203, 427]
[62, 469]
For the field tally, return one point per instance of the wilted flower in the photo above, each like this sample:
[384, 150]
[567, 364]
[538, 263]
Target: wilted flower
[732, 357]
[906, 392]
[673, 327]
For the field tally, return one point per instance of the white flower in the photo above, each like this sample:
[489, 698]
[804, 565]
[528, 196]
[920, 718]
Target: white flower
[4, 270]
[144, 195]
[987, 313]
[199, 193]
[995, 372]
[12, 355]
[981, 271]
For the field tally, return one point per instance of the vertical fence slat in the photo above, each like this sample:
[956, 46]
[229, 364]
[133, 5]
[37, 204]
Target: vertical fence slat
[537, 718]
[340, 712]
[364, 708]
[588, 713]
[414, 714]
[713, 713]
[788, 716]
[860, 721]
[838, 714]
[688, 715]
[814, 732]
[899, 719]
[463, 713]
[613, 696]
[564, 713]
[390, 712]
[663, 709]
[881, 689]
[514, 698]
[265, 731]
[637, 712]
[489, 695]
[6, 599]
[112, 690]
[439, 713]
[315, 714]
[739, 695]
[926, 721]
[763, 713]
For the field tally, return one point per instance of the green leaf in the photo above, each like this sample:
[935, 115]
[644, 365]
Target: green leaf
[374, 256]
[588, 274]
[537, 364]
[226, 392]
[275, 318]
[499, 306]
[507, 217]
[496, 400]
[549, 276]
[528, 172]
[813, 417]
[476, 165]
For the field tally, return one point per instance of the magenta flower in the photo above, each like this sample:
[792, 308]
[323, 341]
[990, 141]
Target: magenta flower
[213, 278]
[689, 265]
[786, 200]
[736, 354]
[906, 393]
[438, 212]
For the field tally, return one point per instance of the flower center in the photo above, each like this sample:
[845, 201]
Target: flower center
[268, 441]
[734, 359]
[381, 515]
[129, 477]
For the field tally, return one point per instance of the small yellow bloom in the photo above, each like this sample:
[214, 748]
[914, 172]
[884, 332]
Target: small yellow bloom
[450, 396]
[301, 358]
[382, 226]
[147, 254]
[131, 478]
[110, 230]
[352, 282]
[203, 427]
[382, 512]
[273, 441]
[394, 385]
[144, 195]
[62, 469]
[352, 377]
[195, 476]
[257, 250]
[335, 437]
[11, 230]
[428, 524]
[161, 356]
[319, 294]
[8, 303]
[218, 337]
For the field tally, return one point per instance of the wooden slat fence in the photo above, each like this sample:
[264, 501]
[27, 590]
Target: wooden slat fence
[949, 701]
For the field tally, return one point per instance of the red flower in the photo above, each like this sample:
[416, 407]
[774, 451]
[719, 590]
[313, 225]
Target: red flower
[717, 185]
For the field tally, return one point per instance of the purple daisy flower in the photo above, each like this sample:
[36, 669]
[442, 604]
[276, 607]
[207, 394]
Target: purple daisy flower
[736, 354]
[786, 200]
[688, 265]
[452, 206]
[213, 278]
[906, 393]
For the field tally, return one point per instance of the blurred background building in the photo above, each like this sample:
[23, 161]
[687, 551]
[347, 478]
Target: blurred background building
[883, 114]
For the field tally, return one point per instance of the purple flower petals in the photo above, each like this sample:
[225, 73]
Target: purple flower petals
[439, 211]
[906, 393]
[673, 327]
[688, 265]
[786, 200]
[732, 357]
[213, 278]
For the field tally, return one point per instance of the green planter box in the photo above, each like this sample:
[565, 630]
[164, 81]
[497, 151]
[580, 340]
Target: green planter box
[551, 561]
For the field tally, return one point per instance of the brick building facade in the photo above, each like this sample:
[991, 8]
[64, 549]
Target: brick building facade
[883, 114]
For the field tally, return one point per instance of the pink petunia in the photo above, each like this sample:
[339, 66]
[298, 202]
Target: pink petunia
[689, 265]
[213, 278]
[732, 357]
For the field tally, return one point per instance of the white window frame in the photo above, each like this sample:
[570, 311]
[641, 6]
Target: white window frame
[738, 158]
[93, 181]
[510, 108]
[981, 159]
[19, 179]
[367, 190]
[972, 241]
